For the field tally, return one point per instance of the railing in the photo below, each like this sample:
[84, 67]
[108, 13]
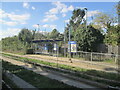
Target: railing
[93, 56]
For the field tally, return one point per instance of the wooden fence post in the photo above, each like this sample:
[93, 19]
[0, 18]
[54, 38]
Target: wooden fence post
[91, 56]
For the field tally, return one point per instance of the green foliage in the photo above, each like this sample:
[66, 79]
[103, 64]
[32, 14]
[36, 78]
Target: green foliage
[39, 36]
[118, 8]
[104, 20]
[54, 34]
[88, 39]
[25, 36]
[12, 44]
[112, 37]
[75, 21]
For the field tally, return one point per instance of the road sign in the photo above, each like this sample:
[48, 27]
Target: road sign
[73, 46]
[55, 47]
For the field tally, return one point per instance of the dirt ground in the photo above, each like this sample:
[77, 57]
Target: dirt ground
[102, 66]
[76, 63]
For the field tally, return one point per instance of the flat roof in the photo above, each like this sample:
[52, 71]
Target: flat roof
[48, 40]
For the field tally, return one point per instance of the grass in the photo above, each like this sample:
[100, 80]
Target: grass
[9, 82]
[109, 61]
[36, 80]
[110, 76]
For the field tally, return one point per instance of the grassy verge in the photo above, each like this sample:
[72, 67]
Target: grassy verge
[110, 76]
[33, 78]
[9, 82]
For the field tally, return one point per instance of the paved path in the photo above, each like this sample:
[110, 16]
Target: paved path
[19, 82]
[50, 75]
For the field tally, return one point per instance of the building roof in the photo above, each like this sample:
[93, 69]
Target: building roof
[46, 40]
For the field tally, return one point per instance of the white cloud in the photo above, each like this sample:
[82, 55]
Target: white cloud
[9, 23]
[33, 8]
[63, 15]
[9, 32]
[53, 26]
[15, 18]
[53, 11]
[2, 14]
[67, 21]
[59, 5]
[35, 26]
[92, 13]
[50, 18]
[45, 26]
[49, 26]
[59, 8]
[71, 8]
[20, 18]
[26, 5]
[66, 9]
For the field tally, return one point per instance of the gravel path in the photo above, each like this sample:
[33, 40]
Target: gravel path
[75, 62]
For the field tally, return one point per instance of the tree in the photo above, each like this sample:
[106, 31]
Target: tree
[25, 36]
[76, 18]
[54, 34]
[104, 20]
[88, 39]
[118, 8]
[75, 21]
[112, 37]
[39, 36]
[12, 44]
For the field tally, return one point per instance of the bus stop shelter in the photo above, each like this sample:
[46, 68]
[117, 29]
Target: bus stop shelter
[45, 46]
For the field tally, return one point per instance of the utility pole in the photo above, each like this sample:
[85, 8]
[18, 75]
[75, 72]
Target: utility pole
[64, 40]
[38, 30]
[70, 44]
[86, 17]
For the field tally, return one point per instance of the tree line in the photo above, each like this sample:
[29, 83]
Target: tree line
[102, 29]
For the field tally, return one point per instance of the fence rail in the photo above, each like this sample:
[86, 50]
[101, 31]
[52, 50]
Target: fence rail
[93, 56]
[88, 56]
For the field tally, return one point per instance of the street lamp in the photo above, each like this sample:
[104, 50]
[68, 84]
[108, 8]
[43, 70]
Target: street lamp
[86, 16]
[70, 43]
[38, 27]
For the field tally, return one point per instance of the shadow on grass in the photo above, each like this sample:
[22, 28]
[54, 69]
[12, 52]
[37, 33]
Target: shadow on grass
[36, 80]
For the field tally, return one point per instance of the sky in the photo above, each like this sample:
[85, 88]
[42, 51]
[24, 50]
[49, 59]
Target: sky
[49, 15]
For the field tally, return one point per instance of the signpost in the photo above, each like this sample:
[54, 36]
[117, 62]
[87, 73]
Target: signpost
[72, 46]
[45, 48]
[55, 47]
